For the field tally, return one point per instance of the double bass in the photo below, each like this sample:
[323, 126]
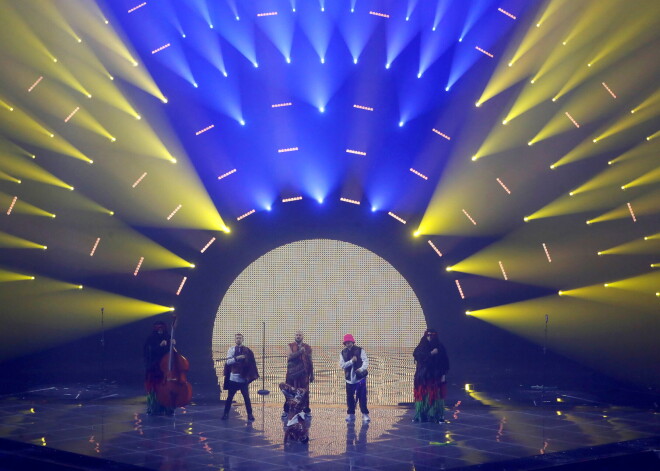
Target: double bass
[174, 390]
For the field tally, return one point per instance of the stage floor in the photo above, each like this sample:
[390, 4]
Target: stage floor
[110, 423]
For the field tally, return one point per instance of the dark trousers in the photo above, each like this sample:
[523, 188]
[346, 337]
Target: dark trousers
[357, 392]
[243, 388]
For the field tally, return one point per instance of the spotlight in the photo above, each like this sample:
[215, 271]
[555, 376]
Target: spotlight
[322, 109]
[242, 122]
[401, 124]
[448, 269]
[387, 66]
[419, 75]
[355, 60]
[447, 89]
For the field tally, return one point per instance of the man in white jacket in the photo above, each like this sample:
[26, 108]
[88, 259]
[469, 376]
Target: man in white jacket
[354, 361]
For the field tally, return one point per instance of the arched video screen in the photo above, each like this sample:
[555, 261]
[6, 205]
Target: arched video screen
[326, 288]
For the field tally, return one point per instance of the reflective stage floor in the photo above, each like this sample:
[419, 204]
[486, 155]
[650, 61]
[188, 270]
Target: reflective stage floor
[481, 429]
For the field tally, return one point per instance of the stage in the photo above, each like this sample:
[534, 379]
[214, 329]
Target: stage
[105, 427]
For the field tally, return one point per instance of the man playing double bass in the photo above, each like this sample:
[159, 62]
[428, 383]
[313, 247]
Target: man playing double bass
[156, 347]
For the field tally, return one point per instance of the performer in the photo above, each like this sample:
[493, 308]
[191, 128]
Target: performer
[430, 381]
[155, 348]
[354, 361]
[296, 427]
[299, 370]
[240, 370]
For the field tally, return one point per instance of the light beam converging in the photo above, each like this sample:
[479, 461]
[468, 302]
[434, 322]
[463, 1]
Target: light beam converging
[131, 132]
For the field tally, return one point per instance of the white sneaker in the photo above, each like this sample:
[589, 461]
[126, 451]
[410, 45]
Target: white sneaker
[365, 418]
[350, 417]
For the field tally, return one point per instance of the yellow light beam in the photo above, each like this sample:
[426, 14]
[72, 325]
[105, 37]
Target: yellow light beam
[646, 245]
[644, 205]
[21, 207]
[649, 178]
[46, 312]
[20, 125]
[8, 276]
[603, 328]
[13, 242]
[613, 176]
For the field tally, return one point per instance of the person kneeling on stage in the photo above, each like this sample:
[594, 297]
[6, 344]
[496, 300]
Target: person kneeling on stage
[354, 362]
[240, 371]
[296, 428]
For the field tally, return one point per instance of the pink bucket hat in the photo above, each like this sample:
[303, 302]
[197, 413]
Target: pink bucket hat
[348, 338]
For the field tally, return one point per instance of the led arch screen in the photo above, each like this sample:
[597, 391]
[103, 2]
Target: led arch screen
[325, 288]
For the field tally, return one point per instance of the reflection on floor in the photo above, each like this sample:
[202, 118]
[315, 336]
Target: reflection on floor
[111, 424]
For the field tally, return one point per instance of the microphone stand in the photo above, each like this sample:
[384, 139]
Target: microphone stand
[263, 391]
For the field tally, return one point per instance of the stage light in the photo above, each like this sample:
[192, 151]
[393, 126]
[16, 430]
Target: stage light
[270, 13]
[530, 143]
[608, 89]
[348, 200]
[136, 7]
[355, 60]
[242, 123]
[375, 13]
[11, 205]
[66, 120]
[256, 65]
[387, 66]
[572, 119]
[449, 268]
[96, 244]
[506, 13]
[441, 134]
[288, 149]
[361, 107]
[484, 51]
[419, 75]
[474, 158]
[288, 60]
[159, 49]
[503, 185]
[560, 293]
[505, 122]
[632, 213]
[416, 234]
[374, 209]
[164, 100]
[183, 282]
[401, 123]
[322, 109]
[437, 250]
[357, 152]
[419, 174]
[460, 289]
[398, 218]
[137, 268]
[204, 130]
[171, 309]
[208, 244]
[243, 216]
[195, 85]
[174, 212]
[224, 175]
[547, 253]
[469, 217]
[280, 105]
[477, 104]
[322, 60]
[294, 198]
[36, 83]
[446, 89]
[503, 271]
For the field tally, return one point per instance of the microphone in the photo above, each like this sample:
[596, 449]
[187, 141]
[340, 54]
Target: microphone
[546, 318]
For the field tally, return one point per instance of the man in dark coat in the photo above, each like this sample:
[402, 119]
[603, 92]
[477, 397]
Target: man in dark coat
[240, 370]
